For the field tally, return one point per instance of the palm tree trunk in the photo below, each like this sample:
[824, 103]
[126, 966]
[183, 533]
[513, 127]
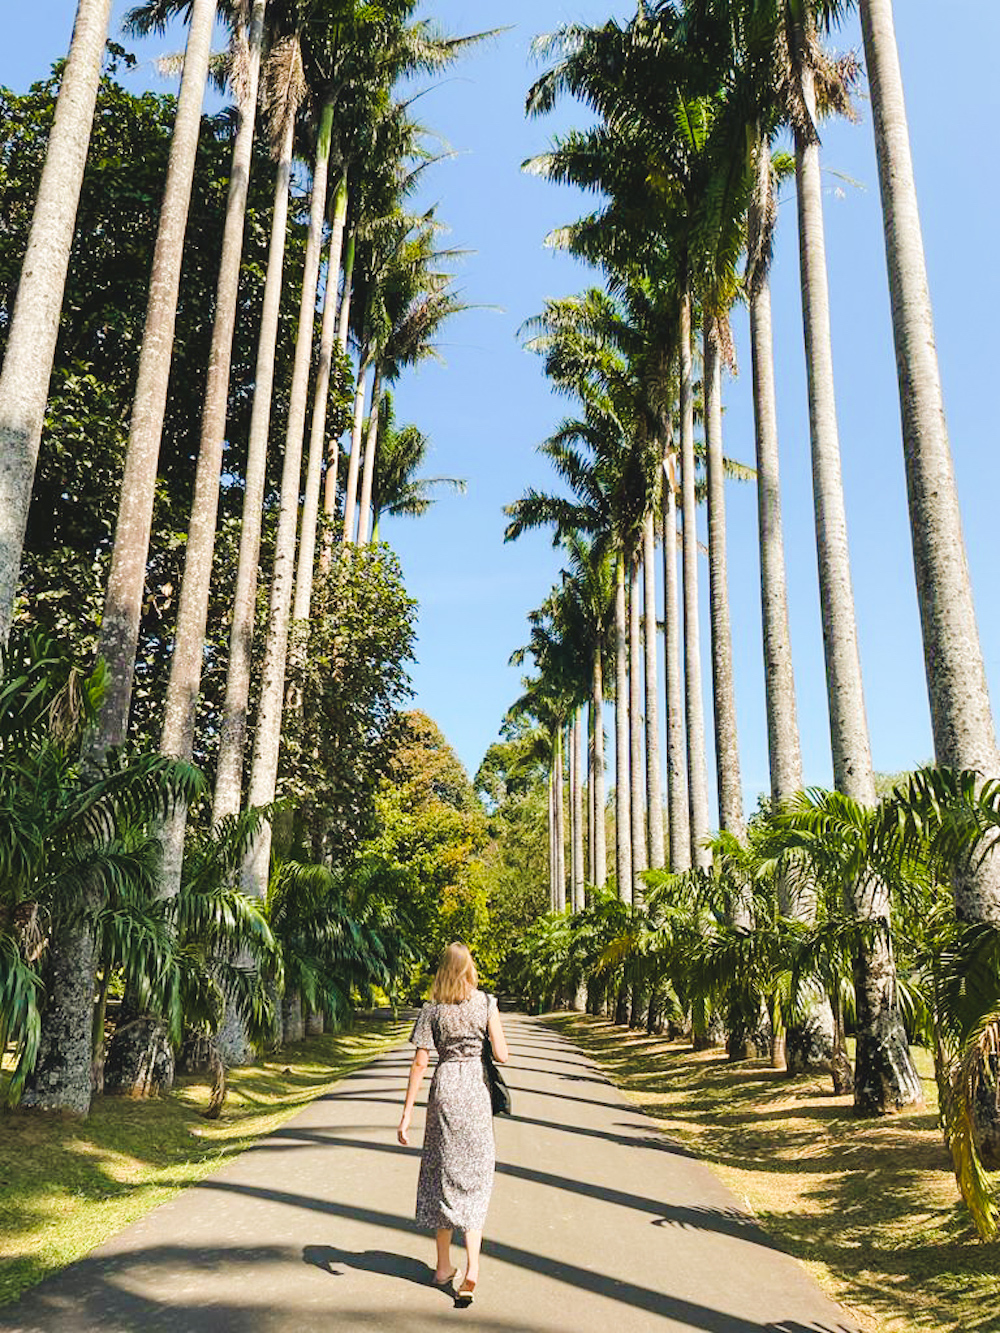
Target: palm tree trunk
[343, 326]
[814, 1040]
[623, 817]
[784, 754]
[371, 449]
[344, 320]
[885, 1078]
[654, 790]
[636, 730]
[267, 735]
[34, 327]
[591, 850]
[351, 488]
[553, 869]
[678, 826]
[119, 635]
[184, 685]
[694, 708]
[232, 735]
[560, 826]
[727, 752]
[964, 735]
[579, 750]
[62, 1074]
[317, 430]
[574, 782]
[599, 867]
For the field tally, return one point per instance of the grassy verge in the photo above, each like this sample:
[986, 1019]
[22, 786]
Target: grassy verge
[871, 1207]
[67, 1185]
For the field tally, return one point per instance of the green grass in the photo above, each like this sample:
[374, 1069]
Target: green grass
[66, 1185]
[870, 1206]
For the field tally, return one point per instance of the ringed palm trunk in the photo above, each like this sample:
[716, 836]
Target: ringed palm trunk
[574, 780]
[784, 753]
[184, 685]
[317, 431]
[119, 635]
[232, 736]
[62, 1075]
[560, 826]
[371, 450]
[343, 325]
[678, 826]
[654, 790]
[636, 730]
[579, 750]
[623, 817]
[34, 327]
[267, 734]
[598, 870]
[351, 486]
[727, 753]
[964, 735]
[552, 837]
[694, 708]
[885, 1078]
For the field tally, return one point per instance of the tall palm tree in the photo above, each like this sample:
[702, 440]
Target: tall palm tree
[410, 299]
[72, 961]
[727, 757]
[34, 328]
[184, 684]
[654, 792]
[397, 489]
[964, 735]
[284, 90]
[679, 829]
[267, 734]
[119, 634]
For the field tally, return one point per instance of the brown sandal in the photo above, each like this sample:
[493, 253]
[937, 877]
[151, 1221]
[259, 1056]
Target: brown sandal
[464, 1295]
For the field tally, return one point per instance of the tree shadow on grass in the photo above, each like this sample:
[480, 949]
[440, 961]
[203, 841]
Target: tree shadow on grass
[873, 1201]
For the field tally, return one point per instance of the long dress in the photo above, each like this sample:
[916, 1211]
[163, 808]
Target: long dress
[458, 1158]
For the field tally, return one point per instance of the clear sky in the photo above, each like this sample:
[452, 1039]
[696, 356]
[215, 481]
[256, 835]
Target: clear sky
[488, 405]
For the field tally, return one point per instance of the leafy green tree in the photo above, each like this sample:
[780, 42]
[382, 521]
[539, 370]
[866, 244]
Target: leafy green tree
[352, 680]
[80, 462]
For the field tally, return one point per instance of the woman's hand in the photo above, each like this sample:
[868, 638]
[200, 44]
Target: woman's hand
[401, 1132]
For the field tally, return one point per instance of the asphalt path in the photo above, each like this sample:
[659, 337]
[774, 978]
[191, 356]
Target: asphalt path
[598, 1224]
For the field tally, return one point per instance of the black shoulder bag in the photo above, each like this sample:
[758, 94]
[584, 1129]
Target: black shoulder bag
[499, 1092]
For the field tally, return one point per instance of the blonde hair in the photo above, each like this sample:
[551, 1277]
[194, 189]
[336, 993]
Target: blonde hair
[456, 977]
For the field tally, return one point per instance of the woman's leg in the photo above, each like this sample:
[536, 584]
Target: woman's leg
[473, 1242]
[444, 1269]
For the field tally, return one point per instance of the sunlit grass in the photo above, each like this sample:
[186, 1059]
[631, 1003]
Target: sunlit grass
[870, 1206]
[66, 1185]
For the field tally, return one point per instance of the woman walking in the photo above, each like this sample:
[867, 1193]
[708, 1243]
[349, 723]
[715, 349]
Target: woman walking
[457, 1162]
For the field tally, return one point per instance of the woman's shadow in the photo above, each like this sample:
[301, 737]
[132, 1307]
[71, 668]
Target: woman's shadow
[400, 1266]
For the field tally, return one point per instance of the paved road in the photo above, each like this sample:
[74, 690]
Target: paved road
[598, 1225]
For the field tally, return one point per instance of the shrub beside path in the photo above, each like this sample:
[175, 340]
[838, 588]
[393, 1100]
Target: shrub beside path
[598, 1225]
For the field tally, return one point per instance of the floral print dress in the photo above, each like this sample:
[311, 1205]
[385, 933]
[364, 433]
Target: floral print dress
[457, 1163]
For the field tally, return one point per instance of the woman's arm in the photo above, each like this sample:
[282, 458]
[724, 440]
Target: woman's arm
[417, 1068]
[497, 1039]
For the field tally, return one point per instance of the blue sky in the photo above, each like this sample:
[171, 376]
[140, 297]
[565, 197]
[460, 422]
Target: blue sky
[487, 407]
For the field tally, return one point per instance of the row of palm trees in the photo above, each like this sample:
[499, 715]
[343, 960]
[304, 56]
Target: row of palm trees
[321, 78]
[691, 100]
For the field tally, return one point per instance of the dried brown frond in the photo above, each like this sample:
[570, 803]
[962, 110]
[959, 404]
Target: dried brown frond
[284, 88]
[762, 218]
[836, 80]
[65, 712]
